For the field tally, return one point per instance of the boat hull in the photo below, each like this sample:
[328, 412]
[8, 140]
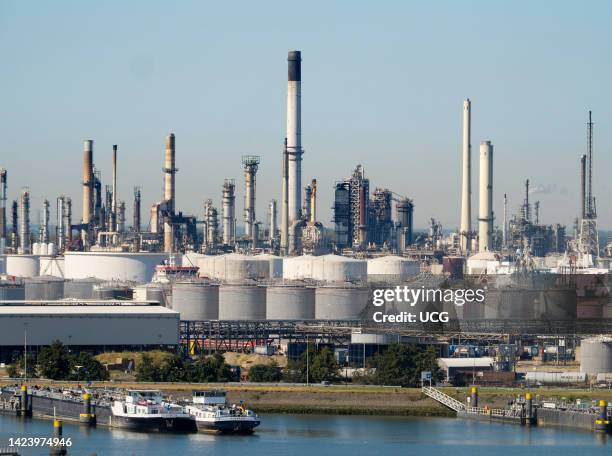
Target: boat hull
[155, 424]
[228, 427]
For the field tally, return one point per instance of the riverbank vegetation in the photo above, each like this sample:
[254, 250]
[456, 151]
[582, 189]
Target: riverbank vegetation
[56, 362]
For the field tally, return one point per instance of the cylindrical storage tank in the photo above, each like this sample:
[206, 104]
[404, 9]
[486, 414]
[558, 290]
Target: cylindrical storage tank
[235, 267]
[276, 265]
[196, 300]
[36, 248]
[112, 292]
[328, 268]
[596, 355]
[51, 249]
[453, 266]
[80, 288]
[121, 266]
[51, 266]
[23, 265]
[45, 288]
[43, 249]
[160, 292]
[340, 302]
[392, 268]
[12, 291]
[290, 302]
[241, 302]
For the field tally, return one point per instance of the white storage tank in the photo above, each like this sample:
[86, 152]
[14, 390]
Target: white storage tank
[112, 292]
[52, 266]
[234, 267]
[124, 266]
[80, 288]
[327, 268]
[12, 291]
[392, 268]
[342, 302]
[158, 292]
[596, 355]
[242, 302]
[290, 301]
[190, 259]
[23, 265]
[276, 265]
[196, 300]
[44, 288]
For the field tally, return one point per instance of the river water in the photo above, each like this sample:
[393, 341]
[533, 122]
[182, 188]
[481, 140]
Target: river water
[319, 435]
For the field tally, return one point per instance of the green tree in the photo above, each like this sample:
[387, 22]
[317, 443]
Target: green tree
[12, 371]
[265, 373]
[86, 367]
[174, 369]
[54, 362]
[401, 364]
[211, 369]
[147, 370]
[321, 366]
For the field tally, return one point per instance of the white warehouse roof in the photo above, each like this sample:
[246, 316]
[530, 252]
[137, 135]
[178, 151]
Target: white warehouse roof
[465, 362]
[88, 309]
[89, 325]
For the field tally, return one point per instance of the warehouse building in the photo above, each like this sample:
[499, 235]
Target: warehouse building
[95, 327]
[467, 368]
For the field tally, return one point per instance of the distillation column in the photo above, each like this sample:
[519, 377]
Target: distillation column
[229, 211]
[272, 221]
[24, 222]
[250, 162]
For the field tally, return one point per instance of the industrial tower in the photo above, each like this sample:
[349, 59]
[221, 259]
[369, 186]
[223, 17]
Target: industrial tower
[589, 237]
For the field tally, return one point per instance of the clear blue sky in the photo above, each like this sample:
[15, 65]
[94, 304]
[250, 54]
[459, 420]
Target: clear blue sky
[383, 84]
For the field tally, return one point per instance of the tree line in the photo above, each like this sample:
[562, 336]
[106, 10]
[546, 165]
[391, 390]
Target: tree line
[55, 362]
[397, 365]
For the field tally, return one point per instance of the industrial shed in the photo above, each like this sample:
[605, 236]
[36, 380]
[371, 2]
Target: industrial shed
[452, 367]
[94, 326]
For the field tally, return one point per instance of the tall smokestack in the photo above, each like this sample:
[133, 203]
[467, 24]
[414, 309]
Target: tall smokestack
[169, 177]
[88, 184]
[294, 135]
[2, 209]
[466, 188]
[285, 203]
[583, 186]
[229, 211]
[505, 227]
[114, 205]
[485, 219]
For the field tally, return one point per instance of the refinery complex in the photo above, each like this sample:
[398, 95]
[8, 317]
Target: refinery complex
[220, 280]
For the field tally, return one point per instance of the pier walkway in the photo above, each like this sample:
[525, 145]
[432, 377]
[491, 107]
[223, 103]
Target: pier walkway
[443, 399]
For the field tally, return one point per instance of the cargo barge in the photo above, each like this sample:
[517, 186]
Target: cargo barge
[527, 413]
[139, 410]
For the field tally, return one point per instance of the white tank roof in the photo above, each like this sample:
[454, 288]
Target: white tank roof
[329, 268]
[392, 268]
